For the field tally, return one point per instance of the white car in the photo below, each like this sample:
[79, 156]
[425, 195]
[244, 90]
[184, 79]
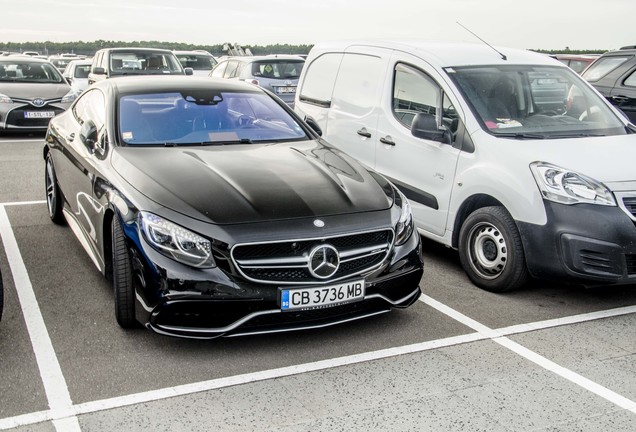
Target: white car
[76, 73]
[201, 62]
[506, 155]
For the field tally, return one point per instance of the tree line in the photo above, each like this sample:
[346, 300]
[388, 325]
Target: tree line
[89, 48]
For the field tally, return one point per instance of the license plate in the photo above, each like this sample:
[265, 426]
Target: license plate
[285, 89]
[321, 297]
[39, 114]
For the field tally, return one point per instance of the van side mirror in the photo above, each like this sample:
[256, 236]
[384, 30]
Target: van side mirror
[99, 70]
[425, 126]
[314, 125]
[88, 134]
[188, 71]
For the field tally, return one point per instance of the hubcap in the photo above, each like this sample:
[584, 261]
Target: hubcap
[487, 250]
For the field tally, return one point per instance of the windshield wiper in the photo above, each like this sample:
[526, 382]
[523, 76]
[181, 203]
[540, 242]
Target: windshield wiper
[520, 135]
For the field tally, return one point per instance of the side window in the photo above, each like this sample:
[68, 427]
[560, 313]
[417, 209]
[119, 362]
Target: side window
[603, 66]
[631, 80]
[230, 71]
[320, 77]
[414, 92]
[90, 105]
[357, 84]
[219, 70]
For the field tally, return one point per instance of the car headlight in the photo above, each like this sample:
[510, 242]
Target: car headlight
[404, 227]
[70, 96]
[568, 187]
[176, 242]
[5, 99]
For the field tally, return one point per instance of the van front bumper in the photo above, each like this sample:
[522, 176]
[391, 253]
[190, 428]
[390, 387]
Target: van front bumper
[582, 243]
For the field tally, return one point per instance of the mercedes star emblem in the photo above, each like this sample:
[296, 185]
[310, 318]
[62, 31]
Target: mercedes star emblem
[324, 261]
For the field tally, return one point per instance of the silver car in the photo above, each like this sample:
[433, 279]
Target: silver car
[32, 91]
[76, 73]
[276, 73]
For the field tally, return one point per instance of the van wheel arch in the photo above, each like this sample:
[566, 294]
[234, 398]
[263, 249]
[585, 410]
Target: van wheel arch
[469, 206]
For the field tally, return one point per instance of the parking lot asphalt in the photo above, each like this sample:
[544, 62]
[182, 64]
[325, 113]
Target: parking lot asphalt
[550, 357]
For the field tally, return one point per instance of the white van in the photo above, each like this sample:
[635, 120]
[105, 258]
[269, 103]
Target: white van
[506, 155]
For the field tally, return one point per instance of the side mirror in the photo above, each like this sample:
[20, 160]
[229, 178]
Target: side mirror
[314, 125]
[189, 71]
[425, 126]
[99, 70]
[88, 134]
[69, 80]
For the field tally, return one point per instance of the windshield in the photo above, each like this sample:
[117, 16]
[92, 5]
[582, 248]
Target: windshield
[25, 71]
[277, 69]
[197, 61]
[204, 117]
[144, 63]
[535, 102]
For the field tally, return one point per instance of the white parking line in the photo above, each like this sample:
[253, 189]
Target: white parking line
[538, 359]
[53, 380]
[64, 414]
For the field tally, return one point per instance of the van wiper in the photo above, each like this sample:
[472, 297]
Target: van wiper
[520, 135]
[577, 135]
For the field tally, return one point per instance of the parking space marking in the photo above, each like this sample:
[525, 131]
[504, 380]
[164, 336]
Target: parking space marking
[534, 357]
[55, 387]
[63, 413]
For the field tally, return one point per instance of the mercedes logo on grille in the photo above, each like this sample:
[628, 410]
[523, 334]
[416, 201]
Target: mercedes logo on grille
[324, 261]
[37, 102]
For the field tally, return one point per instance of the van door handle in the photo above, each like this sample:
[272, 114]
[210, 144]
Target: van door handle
[387, 140]
[363, 132]
[70, 137]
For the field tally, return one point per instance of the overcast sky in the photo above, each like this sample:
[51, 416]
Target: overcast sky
[546, 24]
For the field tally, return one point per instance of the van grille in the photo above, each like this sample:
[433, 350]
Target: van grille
[287, 262]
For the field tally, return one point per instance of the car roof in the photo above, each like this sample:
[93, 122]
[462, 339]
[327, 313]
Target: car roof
[271, 57]
[449, 54]
[193, 52]
[30, 59]
[173, 83]
[126, 49]
[618, 52]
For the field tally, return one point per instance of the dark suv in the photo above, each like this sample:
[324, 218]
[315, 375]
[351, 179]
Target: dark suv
[112, 62]
[614, 76]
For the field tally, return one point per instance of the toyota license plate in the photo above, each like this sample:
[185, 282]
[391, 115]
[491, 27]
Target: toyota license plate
[321, 297]
[39, 114]
[285, 90]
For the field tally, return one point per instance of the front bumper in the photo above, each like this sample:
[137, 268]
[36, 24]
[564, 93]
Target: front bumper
[583, 243]
[14, 118]
[176, 300]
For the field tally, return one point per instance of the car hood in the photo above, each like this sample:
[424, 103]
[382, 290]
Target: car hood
[34, 90]
[252, 182]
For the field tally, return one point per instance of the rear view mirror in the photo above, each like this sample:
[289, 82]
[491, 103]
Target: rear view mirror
[314, 125]
[99, 71]
[424, 126]
[189, 71]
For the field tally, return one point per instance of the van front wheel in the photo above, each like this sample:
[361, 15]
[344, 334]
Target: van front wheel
[491, 251]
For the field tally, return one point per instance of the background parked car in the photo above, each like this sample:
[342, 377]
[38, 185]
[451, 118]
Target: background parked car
[32, 91]
[1, 295]
[112, 62]
[201, 62]
[614, 76]
[576, 62]
[277, 73]
[76, 73]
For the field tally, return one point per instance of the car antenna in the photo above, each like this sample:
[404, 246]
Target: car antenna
[503, 56]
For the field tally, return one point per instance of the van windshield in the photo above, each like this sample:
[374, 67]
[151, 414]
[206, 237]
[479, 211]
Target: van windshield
[535, 102]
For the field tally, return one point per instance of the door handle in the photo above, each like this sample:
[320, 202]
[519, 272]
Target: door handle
[363, 132]
[70, 137]
[620, 99]
[387, 140]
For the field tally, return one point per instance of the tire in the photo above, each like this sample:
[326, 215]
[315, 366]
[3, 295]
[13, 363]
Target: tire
[122, 280]
[53, 195]
[491, 251]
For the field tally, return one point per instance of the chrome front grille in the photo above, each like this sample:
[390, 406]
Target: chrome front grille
[630, 205]
[287, 262]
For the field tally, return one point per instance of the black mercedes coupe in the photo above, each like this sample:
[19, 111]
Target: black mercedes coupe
[216, 211]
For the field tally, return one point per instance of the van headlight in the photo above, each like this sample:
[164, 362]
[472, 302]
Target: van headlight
[176, 242]
[569, 187]
[404, 226]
